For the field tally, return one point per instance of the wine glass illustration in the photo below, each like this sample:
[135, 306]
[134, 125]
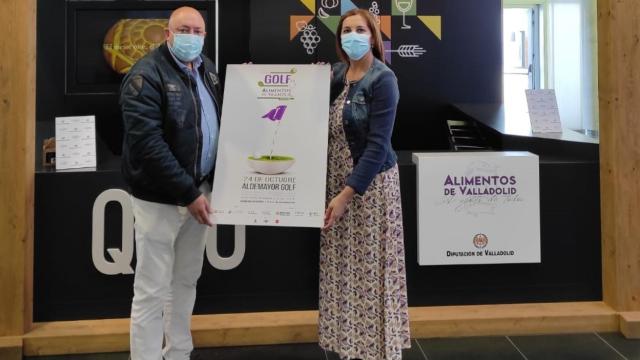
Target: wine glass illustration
[404, 6]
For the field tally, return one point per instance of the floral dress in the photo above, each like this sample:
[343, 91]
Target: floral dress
[363, 311]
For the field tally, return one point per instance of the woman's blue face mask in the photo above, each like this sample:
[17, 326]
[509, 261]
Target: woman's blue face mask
[356, 45]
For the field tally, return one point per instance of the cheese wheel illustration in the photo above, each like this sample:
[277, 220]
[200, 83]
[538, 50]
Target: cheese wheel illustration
[128, 40]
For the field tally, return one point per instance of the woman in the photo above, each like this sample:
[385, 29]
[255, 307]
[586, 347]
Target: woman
[363, 297]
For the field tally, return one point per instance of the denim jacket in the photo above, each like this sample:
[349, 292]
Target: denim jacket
[368, 117]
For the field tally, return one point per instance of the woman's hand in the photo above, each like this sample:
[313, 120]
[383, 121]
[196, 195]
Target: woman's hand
[323, 63]
[337, 207]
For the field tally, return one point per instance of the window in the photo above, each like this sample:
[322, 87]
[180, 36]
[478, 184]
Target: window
[552, 44]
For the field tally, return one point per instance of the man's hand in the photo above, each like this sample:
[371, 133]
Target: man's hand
[200, 210]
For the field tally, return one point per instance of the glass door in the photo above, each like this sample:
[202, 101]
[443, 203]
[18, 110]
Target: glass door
[521, 52]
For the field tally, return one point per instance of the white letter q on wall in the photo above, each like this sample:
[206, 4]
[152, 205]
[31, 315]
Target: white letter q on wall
[122, 258]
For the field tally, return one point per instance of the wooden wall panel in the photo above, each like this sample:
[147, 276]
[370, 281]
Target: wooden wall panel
[17, 136]
[619, 91]
[96, 336]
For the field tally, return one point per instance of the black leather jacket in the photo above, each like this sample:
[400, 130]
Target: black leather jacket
[162, 143]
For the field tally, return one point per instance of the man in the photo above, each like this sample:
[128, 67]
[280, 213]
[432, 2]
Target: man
[170, 103]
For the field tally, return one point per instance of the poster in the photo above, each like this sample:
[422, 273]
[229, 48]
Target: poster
[478, 208]
[75, 142]
[272, 154]
[543, 111]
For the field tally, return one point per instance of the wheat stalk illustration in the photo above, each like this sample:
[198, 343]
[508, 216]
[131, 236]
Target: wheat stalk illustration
[410, 51]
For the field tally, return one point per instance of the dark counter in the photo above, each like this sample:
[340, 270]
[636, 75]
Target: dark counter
[280, 268]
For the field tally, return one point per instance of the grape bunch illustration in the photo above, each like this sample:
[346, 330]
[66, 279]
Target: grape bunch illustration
[309, 38]
[375, 11]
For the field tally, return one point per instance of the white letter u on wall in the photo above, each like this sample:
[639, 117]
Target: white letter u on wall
[226, 263]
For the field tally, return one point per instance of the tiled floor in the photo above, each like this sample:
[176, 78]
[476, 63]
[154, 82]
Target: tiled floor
[592, 346]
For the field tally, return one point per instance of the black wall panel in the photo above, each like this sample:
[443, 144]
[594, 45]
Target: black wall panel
[74, 79]
[280, 268]
[464, 66]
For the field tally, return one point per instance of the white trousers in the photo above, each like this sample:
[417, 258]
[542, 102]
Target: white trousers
[170, 248]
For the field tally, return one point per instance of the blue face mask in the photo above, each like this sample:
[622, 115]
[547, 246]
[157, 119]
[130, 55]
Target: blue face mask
[187, 47]
[355, 45]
